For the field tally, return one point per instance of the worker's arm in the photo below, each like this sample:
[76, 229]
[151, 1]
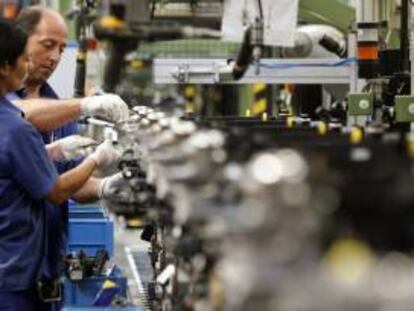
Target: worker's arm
[113, 188]
[70, 148]
[48, 114]
[89, 191]
[71, 181]
[30, 167]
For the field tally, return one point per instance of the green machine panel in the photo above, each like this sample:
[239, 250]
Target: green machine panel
[360, 104]
[404, 109]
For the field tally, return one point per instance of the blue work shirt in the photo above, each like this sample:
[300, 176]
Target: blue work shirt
[57, 215]
[26, 176]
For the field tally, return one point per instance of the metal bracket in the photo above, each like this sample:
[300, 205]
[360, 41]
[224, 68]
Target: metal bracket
[216, 73]
[273, 71]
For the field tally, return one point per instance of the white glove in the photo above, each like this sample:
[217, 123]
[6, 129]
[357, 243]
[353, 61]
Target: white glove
[110, 107]
[115, 188]
[105, 154]
[69, 148]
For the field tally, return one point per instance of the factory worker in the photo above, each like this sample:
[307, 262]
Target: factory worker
[28, 180]
[55, 119]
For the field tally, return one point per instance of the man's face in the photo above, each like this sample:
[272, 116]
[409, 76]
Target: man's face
[45, 48]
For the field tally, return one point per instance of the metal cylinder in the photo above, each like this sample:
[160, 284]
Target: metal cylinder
[368, 11]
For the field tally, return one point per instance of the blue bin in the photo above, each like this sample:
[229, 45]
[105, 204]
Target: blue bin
[90, 235]
[94, 212]
[135, 308]
[83, 293]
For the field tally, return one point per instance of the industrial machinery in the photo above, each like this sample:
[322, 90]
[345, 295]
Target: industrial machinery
[241, 212]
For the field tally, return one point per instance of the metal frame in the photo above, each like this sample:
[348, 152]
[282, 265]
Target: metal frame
[218, 71]
[213, 71]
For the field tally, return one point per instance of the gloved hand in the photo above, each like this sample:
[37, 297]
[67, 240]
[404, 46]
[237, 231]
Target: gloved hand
[110, 107]
[115, 188]
[69, 148]
[105, 154]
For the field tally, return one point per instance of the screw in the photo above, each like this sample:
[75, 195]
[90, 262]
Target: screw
[411, 109]
[364, 104]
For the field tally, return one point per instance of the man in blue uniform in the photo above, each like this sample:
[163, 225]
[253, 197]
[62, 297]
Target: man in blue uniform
[48, 36]
[53, 117]
[28, 180]
[47, 39]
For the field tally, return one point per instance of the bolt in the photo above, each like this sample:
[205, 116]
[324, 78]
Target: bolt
[411, 108]
[364, 104]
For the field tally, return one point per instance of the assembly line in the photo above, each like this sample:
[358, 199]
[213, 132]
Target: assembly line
[206, 155]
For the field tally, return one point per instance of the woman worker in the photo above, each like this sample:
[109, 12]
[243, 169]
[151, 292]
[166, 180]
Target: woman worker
[28, 179]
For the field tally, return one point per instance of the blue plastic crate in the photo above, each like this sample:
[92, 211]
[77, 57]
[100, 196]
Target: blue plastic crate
[95, 212]
[86, 210]
[135, 308]
[83, 293]
[90, 235]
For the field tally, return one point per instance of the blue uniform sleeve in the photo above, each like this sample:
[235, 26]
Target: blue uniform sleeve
[12, 96]
[30, 164]
[69, 129]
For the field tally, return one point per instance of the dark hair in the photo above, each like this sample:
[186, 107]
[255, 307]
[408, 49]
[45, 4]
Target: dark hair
[13, 42]
[30, 17]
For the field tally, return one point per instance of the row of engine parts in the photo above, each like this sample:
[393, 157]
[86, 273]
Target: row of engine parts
[274, 214]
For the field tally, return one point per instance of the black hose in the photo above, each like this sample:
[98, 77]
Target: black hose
[80, 29]
[259, 3]
[404, 36]
[80, 77]
[245, 56]
[333, 46]
[118, 49]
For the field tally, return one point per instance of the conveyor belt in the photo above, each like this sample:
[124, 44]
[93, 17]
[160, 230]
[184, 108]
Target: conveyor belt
[140, 263]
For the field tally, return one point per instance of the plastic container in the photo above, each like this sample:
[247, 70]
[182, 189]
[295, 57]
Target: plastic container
[91, 211]
[134, 308]
[90, 235]
[83, 293]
